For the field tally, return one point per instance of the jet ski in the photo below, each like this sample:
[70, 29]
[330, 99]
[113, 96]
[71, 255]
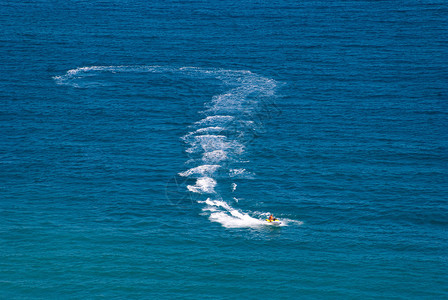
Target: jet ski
[274, 222]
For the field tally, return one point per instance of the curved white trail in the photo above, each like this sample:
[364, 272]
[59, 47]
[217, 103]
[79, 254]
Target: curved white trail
[215, 142]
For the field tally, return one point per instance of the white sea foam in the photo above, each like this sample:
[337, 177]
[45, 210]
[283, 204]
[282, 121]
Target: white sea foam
[287, 222]
[235, 219]
[209, 143]
[241, 173]
[217, 203]
[204, 185]
[229, 103]
[220, 121]
[214, 156]
[206, 130]
[201, 170]
[191, 137]
[221, 136]
[221, 212]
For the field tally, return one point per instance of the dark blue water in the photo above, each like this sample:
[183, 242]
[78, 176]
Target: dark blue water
[142, 145]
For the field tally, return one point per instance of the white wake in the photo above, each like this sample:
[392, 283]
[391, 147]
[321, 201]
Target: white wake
[214, 142]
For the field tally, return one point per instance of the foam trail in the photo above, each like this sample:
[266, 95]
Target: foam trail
[221, 212]
[241, 173]
[210, 143]
[204, 185]
[200, 170]
[218, 120]
[219, 138]
[216, 142]
[215, 156]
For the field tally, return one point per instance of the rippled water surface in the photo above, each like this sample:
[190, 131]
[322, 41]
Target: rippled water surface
[143, 145]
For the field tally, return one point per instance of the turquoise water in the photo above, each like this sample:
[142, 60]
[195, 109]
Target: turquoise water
[143, 144]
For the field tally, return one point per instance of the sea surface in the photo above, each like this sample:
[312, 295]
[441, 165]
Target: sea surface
[144, 143]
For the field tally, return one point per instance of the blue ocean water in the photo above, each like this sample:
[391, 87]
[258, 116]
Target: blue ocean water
[143, 143]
